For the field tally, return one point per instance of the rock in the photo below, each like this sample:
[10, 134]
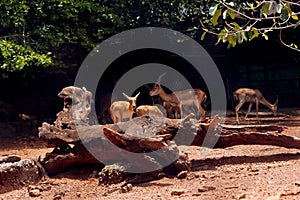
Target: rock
[60, 192]
[182, 175]
[18, 174]
[297, 183]
[78, 194]
[254, 169]
[34, 193]
[178, 192]
[57, 197]
[94, 174]
[112, 174]
[126, 188]
[206, 188]
[10, 158]
[275, 197]
[242, 196]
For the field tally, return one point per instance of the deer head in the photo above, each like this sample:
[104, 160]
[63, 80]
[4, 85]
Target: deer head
[132, 100]
[157, 89]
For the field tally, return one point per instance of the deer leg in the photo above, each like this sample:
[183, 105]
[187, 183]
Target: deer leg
[113, 118]
[257, 104]
[201, 112]
[120, 117]
[237, 108]
[249, 109]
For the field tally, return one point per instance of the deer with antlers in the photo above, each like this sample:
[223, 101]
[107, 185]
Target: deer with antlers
[247, 95]
[178, 99]
[120, 110]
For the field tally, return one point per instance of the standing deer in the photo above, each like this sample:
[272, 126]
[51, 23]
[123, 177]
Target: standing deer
[123, 109]
[247, 95]
[178, 99]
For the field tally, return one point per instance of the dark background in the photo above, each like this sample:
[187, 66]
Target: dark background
[261, 64]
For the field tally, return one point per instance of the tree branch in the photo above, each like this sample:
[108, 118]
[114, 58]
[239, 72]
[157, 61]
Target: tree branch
[285, 44]
[290, 2]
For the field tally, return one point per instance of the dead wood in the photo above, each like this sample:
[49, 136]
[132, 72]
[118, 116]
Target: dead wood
[72, 136]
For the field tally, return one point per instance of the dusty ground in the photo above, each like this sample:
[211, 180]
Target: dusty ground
[239, 172]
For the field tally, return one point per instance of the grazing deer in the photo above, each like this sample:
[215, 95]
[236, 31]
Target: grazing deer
[247, 95]
[123, 109]
[148, 110]
[177, 99]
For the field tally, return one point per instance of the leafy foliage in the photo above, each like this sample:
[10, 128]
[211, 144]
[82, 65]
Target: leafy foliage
[69, 29]
[30, 30]
[15, 57]
[235, 22]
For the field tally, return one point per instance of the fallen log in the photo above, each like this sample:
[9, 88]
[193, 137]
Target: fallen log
[77, 143]
[231, 135]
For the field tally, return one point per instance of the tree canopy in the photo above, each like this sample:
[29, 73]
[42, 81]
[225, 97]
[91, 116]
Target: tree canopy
[237, 21]
[36, 34]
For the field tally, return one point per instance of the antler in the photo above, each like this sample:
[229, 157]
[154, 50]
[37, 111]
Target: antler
[159, 78]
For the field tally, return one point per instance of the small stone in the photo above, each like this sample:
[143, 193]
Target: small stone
[182, 175]
[206, 188]
[94, 174]
[276, 197]
[60, 192]
[78, 194]
[178, 192]
[10, 158]
[34, 193]
[242, 196]
[297, 183]
[196, 194]
[57, 197]
[255, 169]
[126, 188]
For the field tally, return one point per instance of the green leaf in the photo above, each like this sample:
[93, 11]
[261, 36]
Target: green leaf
[297, 24]
[244, 36]
[295, 17]
[254, 33]
[213, 9]
[251, 6]
[236, 25]
[284, 15]
[265, 36]
[203, 35]
[216, 16]
[265, 8]
[232, 40]
[222, 36]
[239, 38]
[279, 8]
[231, 13]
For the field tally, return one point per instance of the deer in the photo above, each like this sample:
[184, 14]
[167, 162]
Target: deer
[251, 96]
[178, 99]
[149, 110]
[120, 110]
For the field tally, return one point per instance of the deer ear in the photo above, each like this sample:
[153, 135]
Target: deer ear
[137, 95]
[125, 95]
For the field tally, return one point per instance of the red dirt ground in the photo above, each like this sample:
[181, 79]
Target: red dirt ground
[239, 172]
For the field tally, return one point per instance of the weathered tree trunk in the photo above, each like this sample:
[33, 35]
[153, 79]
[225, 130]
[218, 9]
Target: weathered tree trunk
[70, 136]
